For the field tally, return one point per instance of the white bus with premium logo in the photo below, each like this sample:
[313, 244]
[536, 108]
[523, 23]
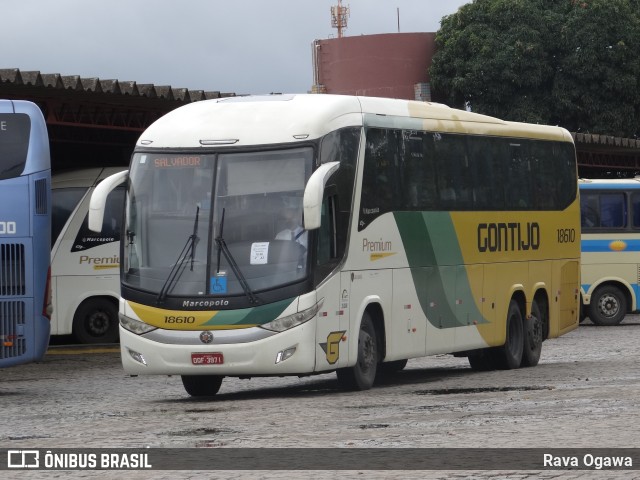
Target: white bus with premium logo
[301, 234]
[85, 265]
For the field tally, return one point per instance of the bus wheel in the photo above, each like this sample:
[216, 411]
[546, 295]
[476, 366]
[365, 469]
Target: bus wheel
[362, 375]
[509, 356]
[533, 337]
[202, 385]
[96, 321]
[608, 306]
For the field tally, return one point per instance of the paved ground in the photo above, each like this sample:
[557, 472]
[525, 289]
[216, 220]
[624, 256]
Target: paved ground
[584, 393]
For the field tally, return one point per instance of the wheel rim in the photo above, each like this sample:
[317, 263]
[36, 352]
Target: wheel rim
[534, 335]
[608, 305]
[98, 324]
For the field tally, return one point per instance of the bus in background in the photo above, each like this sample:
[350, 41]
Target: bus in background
[610, 217]
[85, 266]
[427, 230]
[25, 230]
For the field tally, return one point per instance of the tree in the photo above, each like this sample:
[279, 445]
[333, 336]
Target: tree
[568, 62]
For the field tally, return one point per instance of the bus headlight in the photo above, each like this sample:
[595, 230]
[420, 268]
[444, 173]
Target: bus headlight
[290, 321]
[135, 326]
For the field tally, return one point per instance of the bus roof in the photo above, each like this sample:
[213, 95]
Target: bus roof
[272, 119]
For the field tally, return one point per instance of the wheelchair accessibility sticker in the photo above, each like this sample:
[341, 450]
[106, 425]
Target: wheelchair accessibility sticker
[218, 283]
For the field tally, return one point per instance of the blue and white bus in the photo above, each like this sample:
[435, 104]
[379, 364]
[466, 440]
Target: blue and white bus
[25, 233]
[610, 210]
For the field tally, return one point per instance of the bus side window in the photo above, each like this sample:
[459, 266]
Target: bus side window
[419, 182]
[327, 254]
[635, 209]
[517, 192]
[380, 180]
[113, 214]
[612, 210]
[487, 157]
[327, 233]
[86, 239]
[589, 210]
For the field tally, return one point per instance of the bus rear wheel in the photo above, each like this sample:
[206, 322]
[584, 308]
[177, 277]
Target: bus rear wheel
[608, 306]
[533, 337]
[509, 356]
[202, 385]
[362, 375]
[96, 321]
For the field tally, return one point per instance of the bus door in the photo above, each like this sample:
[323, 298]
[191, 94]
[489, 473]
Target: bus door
[332, 326]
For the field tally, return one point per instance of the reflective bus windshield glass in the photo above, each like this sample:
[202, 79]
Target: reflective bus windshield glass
[216, 225]
[15, 129]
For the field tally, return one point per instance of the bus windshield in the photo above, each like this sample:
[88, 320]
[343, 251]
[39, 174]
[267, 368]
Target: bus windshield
[216, 224]
[14, 144]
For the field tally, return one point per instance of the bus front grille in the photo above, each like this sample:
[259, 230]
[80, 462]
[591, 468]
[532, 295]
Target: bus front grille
[12, 325]
[12, 269]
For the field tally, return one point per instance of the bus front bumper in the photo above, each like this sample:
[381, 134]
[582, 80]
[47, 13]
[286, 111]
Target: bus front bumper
[291, 352]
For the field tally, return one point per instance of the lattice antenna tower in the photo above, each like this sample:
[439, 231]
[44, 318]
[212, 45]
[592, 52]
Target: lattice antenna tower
[339, 16]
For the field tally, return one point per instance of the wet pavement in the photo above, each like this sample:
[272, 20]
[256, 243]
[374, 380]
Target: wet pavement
[585, 393]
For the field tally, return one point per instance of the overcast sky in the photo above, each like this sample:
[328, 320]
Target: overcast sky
[238, 46]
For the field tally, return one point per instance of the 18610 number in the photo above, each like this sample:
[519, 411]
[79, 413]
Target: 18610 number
[566, 235]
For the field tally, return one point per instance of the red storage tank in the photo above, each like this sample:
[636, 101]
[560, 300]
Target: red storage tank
[394, 65]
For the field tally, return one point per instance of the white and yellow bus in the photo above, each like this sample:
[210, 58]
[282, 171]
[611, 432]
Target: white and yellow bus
[425, 230]
[610, 244]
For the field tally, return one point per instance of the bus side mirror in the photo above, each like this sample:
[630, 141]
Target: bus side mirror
[99, 198]
[312, 200]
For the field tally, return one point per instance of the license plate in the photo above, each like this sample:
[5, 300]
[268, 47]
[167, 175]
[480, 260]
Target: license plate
[207, 358]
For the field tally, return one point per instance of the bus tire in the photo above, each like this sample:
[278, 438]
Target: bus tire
[509, 356]
[533, 337]
[362, 375]
[96, 321]
[608, 306]
[202, 385]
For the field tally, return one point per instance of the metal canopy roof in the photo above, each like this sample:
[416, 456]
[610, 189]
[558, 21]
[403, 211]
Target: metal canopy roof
[83, 112]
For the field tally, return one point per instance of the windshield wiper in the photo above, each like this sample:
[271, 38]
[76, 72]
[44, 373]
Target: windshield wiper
[131, 247]
[224, 249]
[194, 236]
[188, 251]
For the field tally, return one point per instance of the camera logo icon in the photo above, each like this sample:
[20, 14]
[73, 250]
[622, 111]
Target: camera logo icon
[23, 459]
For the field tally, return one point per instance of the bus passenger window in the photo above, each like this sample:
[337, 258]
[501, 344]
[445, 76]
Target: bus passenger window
[612, 210]
[517, 190]
[380, 181]
[635, 210]
[589, 210]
